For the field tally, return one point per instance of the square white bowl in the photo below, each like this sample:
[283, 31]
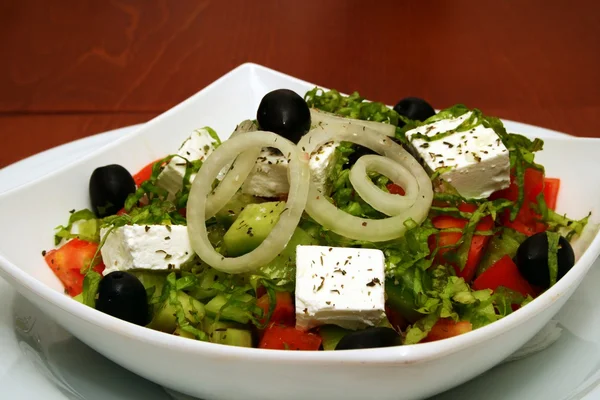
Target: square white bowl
[29, 213]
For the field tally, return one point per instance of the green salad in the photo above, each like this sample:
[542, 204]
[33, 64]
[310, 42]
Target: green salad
[327, 222]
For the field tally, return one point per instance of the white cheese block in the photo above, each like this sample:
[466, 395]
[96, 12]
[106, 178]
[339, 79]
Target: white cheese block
[339, 286]
[270, 175]
[197, 147]
[478, 161]
[150, 247]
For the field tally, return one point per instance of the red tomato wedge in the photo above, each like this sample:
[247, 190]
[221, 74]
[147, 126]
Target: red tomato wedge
[446, 328]
[505, 273]
[67, 261]
[478, 242]
[144, 174]
[551, 188]
[395, 189]
[534, 183]
[279, 337]
[284, 312]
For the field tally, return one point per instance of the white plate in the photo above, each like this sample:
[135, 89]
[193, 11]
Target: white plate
[42, 360]
[209, 370]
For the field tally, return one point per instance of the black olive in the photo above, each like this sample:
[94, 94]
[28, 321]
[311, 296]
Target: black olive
[123, 296]
[532, 259]
[285, 113]
[359, 151]
[369, 338]
[109, 187]
[414, 108]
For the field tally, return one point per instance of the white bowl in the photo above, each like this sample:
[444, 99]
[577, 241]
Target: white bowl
[29, 213]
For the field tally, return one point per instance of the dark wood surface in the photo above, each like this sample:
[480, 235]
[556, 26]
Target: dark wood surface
[73, 68]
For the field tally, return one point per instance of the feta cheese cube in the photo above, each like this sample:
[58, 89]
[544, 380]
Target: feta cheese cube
[197, 147]
[340, 286]
[270, 175]
[478, 161]
[153, 247]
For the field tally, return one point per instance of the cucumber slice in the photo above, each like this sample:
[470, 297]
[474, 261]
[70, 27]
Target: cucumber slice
[165, 317]
[229, 213]
[179, 332]
[230, 312]
[251, 227]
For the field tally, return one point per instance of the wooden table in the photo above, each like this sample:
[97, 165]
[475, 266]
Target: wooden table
[73, 68]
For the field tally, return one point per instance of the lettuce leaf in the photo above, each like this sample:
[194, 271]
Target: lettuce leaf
[91, 281]
[87, 226]
[352, 106]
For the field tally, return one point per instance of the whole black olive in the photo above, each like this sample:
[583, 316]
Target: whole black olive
[123, 296]
[369, 338]
[285, 113]
[414, 108]
[532, 259]
[109, 187]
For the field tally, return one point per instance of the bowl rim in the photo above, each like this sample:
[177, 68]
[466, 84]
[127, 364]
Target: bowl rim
[399, 355]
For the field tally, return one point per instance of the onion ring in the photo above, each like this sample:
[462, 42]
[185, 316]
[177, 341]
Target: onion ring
[324, 119]
[298, 175]
[387, 203]
[342, 223]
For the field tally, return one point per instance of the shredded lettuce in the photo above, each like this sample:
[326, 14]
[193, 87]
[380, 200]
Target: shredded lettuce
[87, 226]
[521, 151]
[91, 281]
[353, 106]
[565, 226]
[553, 247]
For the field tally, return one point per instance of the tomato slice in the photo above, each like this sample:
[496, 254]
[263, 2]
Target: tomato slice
[504, 272]
[67, 261]
[144, 174]
[446, 328]
[395, 189]
[526, 221]
[284, 312]
[478, 242]
[278, 337]
[551, 188]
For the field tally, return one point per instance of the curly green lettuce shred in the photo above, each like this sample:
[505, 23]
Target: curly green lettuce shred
[172, 286]
[353, 106]
[87, 223]
[91, 282]
[475, 119]
[521, 152]
[553, 247]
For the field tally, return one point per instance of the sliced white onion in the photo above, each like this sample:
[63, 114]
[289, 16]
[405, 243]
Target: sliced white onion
[340, 222]
[231, 182]
[324, 119]
[387, 203]
[298, 175]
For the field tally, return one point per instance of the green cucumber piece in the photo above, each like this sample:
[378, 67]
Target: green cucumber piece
[165, 317]
[179, 332]
[226, 332]
[234, 337]
[229, 213]
[230, 312]
[251, 227]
